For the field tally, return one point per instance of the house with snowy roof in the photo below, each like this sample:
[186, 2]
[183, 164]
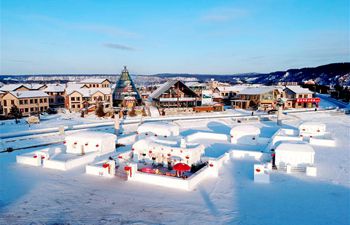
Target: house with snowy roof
[28, 102]
[22, 87]
[173, 97]
[79, 98]
[263, 98]
[298, 97]
[56, 93]
[96, 83]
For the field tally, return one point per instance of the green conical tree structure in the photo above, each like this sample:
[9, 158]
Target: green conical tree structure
[125, 89]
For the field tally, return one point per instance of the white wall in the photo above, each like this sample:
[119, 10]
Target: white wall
[208, 136]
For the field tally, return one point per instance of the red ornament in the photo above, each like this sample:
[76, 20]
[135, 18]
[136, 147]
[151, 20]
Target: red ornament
[105, 165]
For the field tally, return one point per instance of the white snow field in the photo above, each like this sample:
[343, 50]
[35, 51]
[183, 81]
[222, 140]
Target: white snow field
[32, 195]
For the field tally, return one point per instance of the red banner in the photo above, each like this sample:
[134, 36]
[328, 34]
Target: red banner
[307, 100]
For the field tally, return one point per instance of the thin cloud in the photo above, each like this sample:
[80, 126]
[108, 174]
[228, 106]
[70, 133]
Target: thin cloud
[119, 46]
[223, 15]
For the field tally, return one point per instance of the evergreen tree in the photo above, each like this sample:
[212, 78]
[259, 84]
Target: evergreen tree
[15, 112]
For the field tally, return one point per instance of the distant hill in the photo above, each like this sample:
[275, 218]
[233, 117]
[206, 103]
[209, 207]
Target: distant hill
[331, 74]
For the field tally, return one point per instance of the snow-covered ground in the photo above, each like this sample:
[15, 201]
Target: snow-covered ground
[30, 195]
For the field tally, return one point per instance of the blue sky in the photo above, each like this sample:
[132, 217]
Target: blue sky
[222, 37]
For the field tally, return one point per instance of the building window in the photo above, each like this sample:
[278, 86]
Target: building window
[41, 100]
[36, 101]
[72, 98]
[45, 100]
[31, 101]
[32, 109]
[78, 98]
[5, 103]
[21, 102]
[12, 102]
[73, 106]
[26, 102]
[26, 109]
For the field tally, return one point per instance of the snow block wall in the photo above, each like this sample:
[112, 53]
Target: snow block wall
[90, 141]
[207, 136]
[245, 135]
[159, 128]
[294, 154]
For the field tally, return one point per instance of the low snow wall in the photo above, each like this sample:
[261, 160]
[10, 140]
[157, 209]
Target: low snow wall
[97, 171]
[207, 136]
[240, 154]
[159, 180]
[28, 160]
[69, 164]
[322, 142]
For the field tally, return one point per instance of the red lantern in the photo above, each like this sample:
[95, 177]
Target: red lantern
[257, 170]
[187, 157]
[64, 142]
[75, 143]
[42, 157]
[86, 144]
[150, 152]
[169, 154]
[105, 165]
[132, 149]
[97, 146]
[35, 156]
[120, 157]
[211, 165]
